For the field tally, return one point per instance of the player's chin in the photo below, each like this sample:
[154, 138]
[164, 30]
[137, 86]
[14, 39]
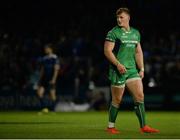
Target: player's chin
[119, 24]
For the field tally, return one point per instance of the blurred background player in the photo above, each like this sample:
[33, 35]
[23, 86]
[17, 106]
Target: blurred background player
[48, 75]
[123, 50]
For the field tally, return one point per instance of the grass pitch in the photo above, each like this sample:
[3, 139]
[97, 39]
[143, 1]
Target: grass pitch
[86, 125]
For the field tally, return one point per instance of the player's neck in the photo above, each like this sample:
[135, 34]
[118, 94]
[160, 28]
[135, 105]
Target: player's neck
[126, 28]
[50, 54]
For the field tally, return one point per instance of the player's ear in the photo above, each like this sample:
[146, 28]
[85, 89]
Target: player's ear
[129, 17]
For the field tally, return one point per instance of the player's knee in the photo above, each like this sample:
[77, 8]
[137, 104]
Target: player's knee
[53, 98]
[40, 91]
[40, 94]
[116, 101]
[140, 96]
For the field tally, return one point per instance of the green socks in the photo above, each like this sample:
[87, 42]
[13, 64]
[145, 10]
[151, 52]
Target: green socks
[139, 109]
[140, 112]
[113, 111]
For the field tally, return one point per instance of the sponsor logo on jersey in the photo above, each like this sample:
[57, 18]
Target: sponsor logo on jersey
[130, 41]
[120, 82]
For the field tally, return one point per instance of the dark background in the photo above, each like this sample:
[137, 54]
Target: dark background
[77, 29]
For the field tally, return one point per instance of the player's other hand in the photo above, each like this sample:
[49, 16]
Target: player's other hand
[141, 74]
[52, 82]
[121, 68]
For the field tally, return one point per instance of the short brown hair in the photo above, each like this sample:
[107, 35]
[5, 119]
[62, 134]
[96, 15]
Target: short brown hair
[121, 10]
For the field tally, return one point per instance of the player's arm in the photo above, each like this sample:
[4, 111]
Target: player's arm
[140, 60]
[108, 52]
[41, 72]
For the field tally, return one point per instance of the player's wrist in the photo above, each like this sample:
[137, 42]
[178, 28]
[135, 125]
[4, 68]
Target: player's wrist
[117, 63]
[53, 80]
[142, 69]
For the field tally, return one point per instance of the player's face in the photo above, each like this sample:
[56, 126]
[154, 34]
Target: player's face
[47, 50]
[123, 19]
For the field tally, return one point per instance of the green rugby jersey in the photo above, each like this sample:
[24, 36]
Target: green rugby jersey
[125, 45]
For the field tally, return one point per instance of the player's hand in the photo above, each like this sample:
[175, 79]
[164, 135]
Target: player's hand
[141, 74]
[52, 82]
[121, 68]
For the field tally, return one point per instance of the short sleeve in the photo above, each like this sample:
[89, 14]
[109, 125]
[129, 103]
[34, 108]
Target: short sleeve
[110, 36]
[57, 62]
[139, 36]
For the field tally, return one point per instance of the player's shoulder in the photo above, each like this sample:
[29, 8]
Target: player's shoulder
[44, 57]
[135, 30]
[114, 29]
[52, 56]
